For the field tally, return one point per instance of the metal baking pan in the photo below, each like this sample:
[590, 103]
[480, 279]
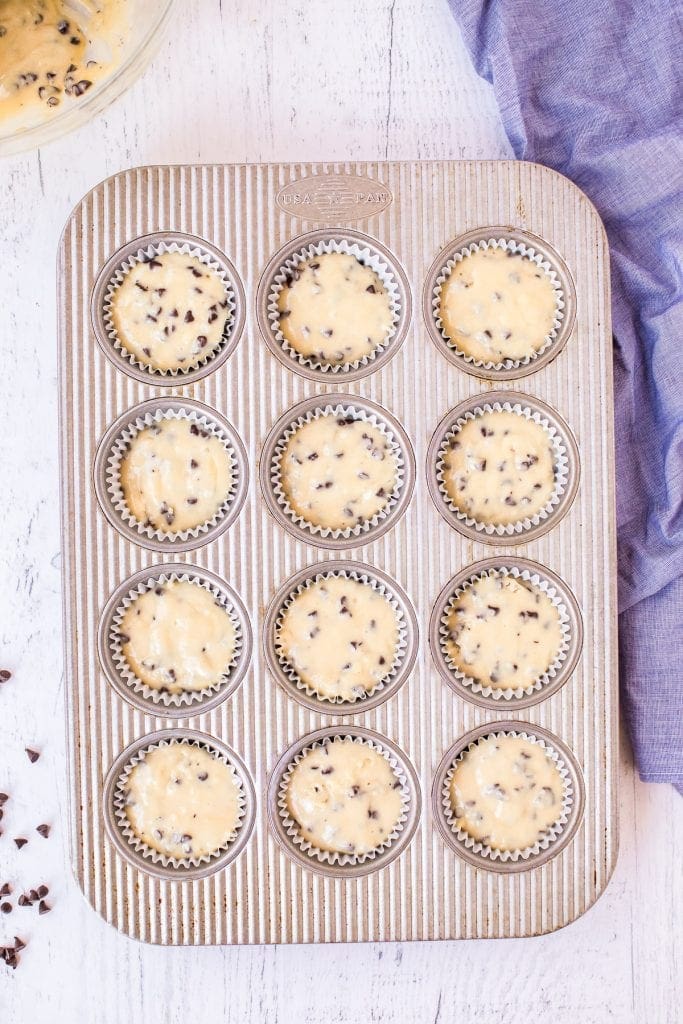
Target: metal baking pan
[409, 216]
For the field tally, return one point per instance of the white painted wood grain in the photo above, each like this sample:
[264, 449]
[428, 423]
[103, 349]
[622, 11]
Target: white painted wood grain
[264, 80]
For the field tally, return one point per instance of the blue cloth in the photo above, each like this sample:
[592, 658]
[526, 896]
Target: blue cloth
[593, 90]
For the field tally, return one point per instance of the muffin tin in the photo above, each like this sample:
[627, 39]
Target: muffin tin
[406, 220]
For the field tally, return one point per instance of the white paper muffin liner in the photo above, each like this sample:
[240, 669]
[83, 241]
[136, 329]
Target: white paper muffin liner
[189, 699]
[142, 848]
[560, 465]
[552, 834]
[334, 857]
[508, 693]
[509, 245]
[400, 652]
[338, 411]
[113, 474]
[143, 255]
[368, 257]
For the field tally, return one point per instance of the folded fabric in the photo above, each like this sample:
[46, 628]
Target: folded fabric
[593, 91]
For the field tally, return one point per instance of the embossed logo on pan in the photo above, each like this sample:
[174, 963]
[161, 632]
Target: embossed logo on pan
[334, 196]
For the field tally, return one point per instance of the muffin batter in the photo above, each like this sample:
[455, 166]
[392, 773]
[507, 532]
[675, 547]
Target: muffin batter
[170, 311]
[182, 801]
[500, 468]
[340, 637]
[337, 471]
[177, 637]
[54, 51]
[503, 632]
[496, 305]
[175, 475]
[334, 309]
[506, 792]
[344, 797]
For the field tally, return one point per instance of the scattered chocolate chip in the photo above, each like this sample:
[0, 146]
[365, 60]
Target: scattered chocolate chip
[33, 755]
[42, 891]
[372, 813]
[20, 842]
[19, 944]
[5, 889]
[43, 830]
[5, 674]
[4, 797]
[24, 900]
[189, 317]
[44, 908]
[6, 907]
[203, 776]
[371, 288]
[327, 771]
[63, 27]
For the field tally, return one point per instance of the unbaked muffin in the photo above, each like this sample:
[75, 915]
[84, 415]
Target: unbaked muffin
[177, 637]
[506, 792]
[175, 475]
[344, 797]
[502, 632]
[334, 310]
[182, 801]
[338, 472]
[340, 636]
[499, 468]
[170, 311]
[497, 304]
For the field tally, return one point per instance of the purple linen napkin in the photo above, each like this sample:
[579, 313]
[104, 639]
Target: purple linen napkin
[594, 91]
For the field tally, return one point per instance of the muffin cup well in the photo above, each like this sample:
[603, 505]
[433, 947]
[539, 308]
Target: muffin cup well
[121, 676]
[113, 273]
[368, 251]
[333, 863]
[138, 853]
[550, 681]
[113, 447]
[406, 650]
[567, 468]
[336, 405]
[528, 245]
[559, 835]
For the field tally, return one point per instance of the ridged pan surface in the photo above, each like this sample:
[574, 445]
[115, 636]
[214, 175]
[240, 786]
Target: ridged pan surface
[414, 211]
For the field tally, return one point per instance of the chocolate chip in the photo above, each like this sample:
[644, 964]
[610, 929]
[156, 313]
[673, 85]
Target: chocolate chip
[203, 776]
[284, 313]
[327, 771]
[202, 340]
[372, 813]
[485, 432]
[44, 908]
[20, 842]
[192, 501]
[80, 87]
[24, 901]
[382, 660]
[6, 889]
[63, 27]
[327, 333]
[33, 755]
[193, 464]
[3, 798]
[493, 608]
[5, 674]
[194, 271]
[19, 944]
[142, 287]
[147, 351]
[42, 891]
[312, 457]
[189, 317]
[371, 288]
[345, 421]
[43, 830]
[488, 334]
[6, 907]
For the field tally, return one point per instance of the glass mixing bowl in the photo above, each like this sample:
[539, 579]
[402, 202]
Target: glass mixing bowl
[148, 18]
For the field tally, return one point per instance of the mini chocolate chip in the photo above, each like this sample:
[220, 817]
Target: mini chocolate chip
[493, 608]
[488, 334]
[4, 797]
[5, 674]
[24, 900]
[372, 813]
[312, 457]
[63, 27]
[6, 907]
[142, 287]
[189, 317]
[202, 340]
[147, 351]
[33, 755]
[19, 944]
[192, 501]
[371, 288]
[203, 776]
[20, 842]
[193, 464]
[44, 908]
[327, 771]
[6, 889]
[42, 891]
[43, 830]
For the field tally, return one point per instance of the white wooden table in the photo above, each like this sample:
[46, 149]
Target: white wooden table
[262, 80]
